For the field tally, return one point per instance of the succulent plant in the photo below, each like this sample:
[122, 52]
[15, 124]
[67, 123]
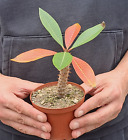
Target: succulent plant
[62, 60]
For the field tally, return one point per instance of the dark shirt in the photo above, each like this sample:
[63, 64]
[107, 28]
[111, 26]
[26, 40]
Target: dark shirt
[21, 30]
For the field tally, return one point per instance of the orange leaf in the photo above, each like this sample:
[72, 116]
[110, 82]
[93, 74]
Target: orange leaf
[32, 55]
[84, 71]
[71, 33]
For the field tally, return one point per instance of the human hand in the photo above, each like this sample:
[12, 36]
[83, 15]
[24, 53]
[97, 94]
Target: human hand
[108, 97]
[17, 113]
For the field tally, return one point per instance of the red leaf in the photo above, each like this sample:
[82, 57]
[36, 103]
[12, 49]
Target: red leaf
[71, 33]
[32, 55]
[84, 71]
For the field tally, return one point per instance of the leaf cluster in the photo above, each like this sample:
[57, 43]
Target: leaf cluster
[63, 59]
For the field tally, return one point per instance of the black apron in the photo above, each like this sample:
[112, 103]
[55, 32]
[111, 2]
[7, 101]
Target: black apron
[21, 30]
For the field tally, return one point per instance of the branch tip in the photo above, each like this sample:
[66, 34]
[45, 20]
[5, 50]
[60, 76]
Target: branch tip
[103, 24]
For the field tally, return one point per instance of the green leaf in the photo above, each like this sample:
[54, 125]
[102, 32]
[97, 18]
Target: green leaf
[51, 26]
[62, 60]
[89, 35]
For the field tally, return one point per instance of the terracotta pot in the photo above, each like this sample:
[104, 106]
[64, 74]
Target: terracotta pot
[59, 118]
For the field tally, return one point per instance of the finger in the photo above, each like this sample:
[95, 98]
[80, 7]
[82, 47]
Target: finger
[22, 93]
[77, 133]
[22, 119]
[25, 88]
[95, 90]
[27, 129]
[94, 102]
[96, 119]
[87, 88]
[28, 85]
[20, 106]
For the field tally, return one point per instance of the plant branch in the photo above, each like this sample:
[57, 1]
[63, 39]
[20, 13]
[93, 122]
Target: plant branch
[62, 81]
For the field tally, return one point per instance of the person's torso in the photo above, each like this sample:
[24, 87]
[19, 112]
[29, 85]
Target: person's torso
[21, 30]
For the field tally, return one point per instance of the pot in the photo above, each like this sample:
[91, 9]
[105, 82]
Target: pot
[59, 118]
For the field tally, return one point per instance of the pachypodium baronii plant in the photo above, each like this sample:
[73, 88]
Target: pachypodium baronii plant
[62, 60]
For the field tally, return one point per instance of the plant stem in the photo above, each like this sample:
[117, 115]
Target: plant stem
[62, 81]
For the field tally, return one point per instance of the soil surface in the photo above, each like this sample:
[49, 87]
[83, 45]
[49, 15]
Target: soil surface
[48, 98]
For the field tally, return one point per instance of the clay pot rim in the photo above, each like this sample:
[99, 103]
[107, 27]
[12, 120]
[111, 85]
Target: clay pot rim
[57, 110]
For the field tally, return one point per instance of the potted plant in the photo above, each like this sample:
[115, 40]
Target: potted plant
[59, 99]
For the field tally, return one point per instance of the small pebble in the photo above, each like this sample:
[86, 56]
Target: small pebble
[69, 86]
[39, 95]
[75, 101]
[42, 102]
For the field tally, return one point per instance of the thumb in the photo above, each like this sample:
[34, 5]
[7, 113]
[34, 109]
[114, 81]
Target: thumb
[30, 86]
[86, 88]
[25, 87]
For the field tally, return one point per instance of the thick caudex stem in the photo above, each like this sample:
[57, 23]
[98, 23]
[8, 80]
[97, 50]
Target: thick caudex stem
[62, 81]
